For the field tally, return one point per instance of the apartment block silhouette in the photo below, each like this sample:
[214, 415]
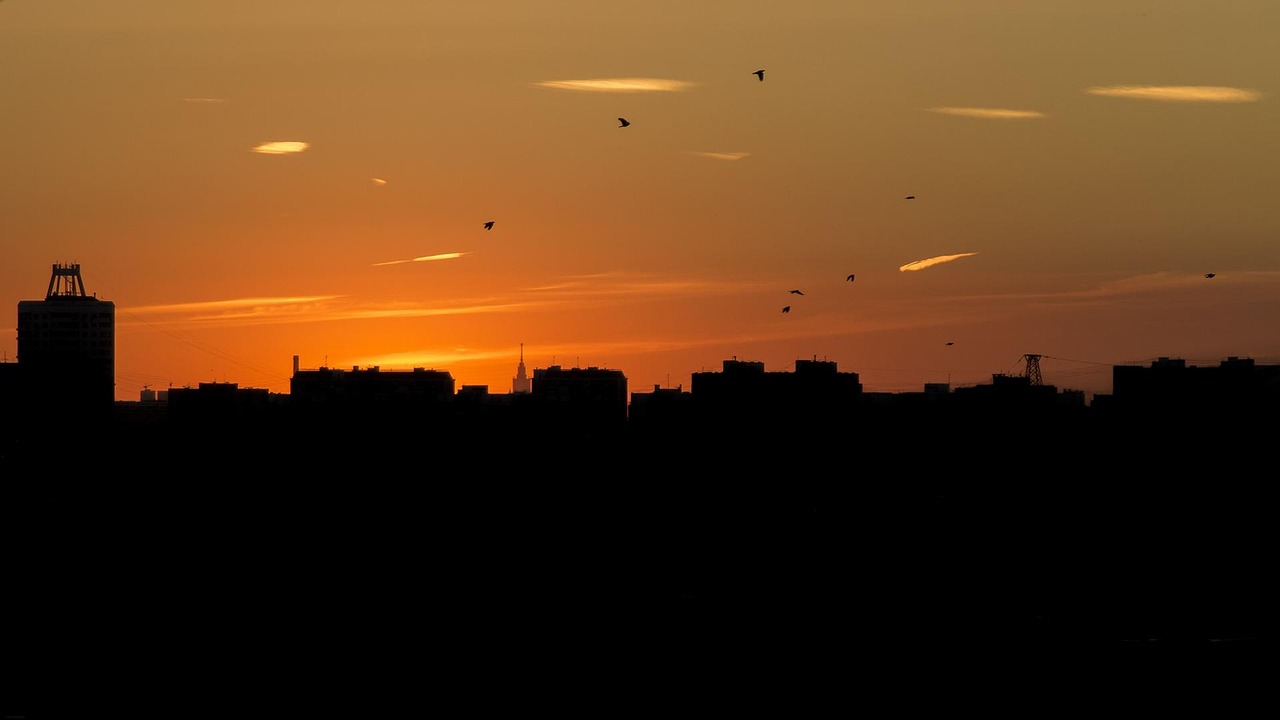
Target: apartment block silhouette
[66, 349]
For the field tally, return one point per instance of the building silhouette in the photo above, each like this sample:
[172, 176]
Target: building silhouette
[66, 350]
[587, 400]
[521, 382]
[1234, 385]
[743, 394]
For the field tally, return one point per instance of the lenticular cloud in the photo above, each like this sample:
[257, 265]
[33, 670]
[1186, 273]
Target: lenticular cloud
[619, 85]
[1178, 93]
[281, 147]
[990, 113]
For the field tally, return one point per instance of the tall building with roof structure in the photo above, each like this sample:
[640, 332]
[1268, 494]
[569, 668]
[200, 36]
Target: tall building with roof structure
[66, 348]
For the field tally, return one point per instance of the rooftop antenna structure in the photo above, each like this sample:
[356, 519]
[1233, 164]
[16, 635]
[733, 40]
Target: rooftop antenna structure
[65, 282]
[1033, 369]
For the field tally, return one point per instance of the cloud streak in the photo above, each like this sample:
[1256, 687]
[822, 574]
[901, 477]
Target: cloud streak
[989, 113]
[424, 258]
[238, 310]
[281, 147]
[1177, 93]
[603, 285]
[618, 85]
[1157, 284]
[720, 155]
[213, 305]
[599, 288]
[930, 262]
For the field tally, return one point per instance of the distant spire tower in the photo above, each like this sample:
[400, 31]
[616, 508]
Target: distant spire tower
[520, 384]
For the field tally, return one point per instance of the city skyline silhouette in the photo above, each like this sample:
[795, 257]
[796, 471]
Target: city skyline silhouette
[432, 355]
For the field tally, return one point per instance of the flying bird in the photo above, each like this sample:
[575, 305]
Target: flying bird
[950, 344]
[623, 122]
[759, 74]
[1209, 275]
[796, 292]
[911, 197]
[786, 309]
[488, 225]
[850, 278]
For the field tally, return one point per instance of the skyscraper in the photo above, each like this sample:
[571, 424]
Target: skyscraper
[521, 383]
[66, 349]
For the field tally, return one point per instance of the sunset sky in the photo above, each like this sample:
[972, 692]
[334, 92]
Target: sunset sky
[250, 180]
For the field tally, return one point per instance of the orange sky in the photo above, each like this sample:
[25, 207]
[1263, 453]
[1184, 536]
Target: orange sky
[248, 181]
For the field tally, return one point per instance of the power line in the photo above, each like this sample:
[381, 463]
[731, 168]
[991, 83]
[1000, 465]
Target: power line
[205, 348]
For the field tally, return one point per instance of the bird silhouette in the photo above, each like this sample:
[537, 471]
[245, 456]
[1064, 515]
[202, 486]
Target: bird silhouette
[911, 197]
[786, 309]
[796, 292]
[759, 74]
[1209, 275]
[850, 278]
[488, 225]
[623, 122]
[950, 344]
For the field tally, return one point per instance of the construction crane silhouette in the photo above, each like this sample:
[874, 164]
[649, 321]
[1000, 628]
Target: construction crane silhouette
[1033, 369]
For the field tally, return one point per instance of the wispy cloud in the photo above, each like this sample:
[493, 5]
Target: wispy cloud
[204, 101]
[378, 181]
[424, 258]
[320, 308]
[1164, 281]
[989, 113]
[720, 155]
[604, 285]
[281, 147]
[601, 288]
[237, 308]
[1157, 284]
[216, 305]
[1178, 93]
[618, 85]
[930, 262]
